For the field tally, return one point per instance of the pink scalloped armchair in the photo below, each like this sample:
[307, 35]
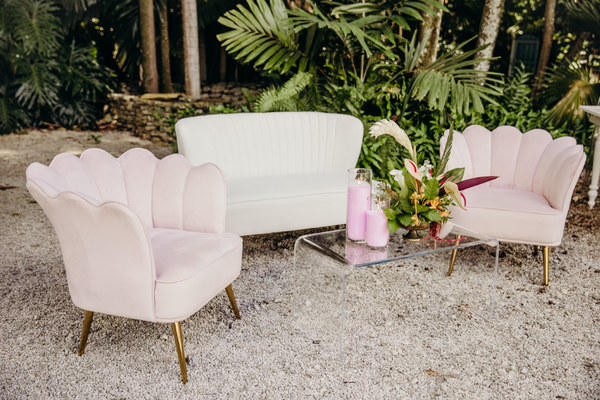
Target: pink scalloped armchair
[141, 238]
[529, 201]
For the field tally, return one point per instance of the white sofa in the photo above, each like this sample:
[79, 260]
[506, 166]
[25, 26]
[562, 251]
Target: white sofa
[285, 170]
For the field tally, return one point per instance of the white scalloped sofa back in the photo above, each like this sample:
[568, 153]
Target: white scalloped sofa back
[285, 170]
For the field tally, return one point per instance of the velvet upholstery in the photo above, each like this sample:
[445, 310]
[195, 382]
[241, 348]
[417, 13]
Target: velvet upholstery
[285, 170]
[141, 238]
[529, 201]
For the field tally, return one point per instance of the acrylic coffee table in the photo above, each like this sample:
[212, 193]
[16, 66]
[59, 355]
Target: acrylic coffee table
[334, 260]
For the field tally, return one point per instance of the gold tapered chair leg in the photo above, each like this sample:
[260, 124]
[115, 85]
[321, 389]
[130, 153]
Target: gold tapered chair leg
[453, 257]
[546, 265]
[87, 323]
[236, 311]
[180, 353]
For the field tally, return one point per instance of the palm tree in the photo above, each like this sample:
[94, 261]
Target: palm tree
[547, 35]
[148, 39]
[488, 32]
[191, 52]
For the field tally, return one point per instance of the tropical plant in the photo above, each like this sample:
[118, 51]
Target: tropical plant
[288, 97]
[360, 63]
[43, 78]
[584, 14]
[573, 86]
[355, 53]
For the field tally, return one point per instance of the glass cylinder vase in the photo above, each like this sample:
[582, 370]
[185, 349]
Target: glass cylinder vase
[359, 202]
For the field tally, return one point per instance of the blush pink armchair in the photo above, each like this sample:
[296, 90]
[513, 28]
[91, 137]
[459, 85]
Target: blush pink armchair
[529, 201]
[141, 238]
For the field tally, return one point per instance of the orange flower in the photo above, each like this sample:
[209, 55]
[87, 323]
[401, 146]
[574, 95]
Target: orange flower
[433, 204]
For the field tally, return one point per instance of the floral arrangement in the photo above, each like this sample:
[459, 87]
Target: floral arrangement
[421, 195]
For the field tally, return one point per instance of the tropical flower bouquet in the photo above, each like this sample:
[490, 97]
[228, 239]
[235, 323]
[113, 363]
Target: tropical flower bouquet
[420, 196]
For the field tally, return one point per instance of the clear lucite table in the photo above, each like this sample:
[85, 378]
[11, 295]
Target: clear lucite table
[334, 261]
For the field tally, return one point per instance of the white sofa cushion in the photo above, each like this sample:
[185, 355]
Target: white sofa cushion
[277, 203]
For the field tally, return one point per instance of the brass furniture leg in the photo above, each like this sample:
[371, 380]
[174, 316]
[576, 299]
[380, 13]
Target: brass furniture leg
[236, 311]
[453, 257]
[87, 323]
[546, 265]
[180, 353]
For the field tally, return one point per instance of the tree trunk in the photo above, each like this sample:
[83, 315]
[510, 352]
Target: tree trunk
[488, 31]
[149, 69]
[546, 43]
[223, 66]
[433, 24]
[165, 51]
[202, 47]
[191, 54]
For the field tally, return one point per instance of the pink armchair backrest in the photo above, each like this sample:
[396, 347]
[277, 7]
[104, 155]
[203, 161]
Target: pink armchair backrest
[157, 191]
[532, 161]
[101, 208]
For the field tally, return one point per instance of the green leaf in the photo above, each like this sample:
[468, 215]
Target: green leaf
[432, 188]
[432, 215]
[405, 219]
[441, 165]
[409, 181]
[455, 175]
[406, 206]
[393, 226]
[421, 208]
[389, 213]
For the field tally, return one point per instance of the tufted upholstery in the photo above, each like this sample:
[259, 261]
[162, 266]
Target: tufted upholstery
[285, 170]
[529, 201]
[141, 238]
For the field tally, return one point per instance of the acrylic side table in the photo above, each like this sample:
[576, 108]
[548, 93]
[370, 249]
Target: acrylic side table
[335, 260]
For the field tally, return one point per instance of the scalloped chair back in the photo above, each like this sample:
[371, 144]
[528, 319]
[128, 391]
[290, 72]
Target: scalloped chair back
[529, 201]
[141, 238]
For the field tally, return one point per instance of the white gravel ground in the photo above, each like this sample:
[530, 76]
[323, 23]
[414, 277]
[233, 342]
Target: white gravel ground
[543, 343]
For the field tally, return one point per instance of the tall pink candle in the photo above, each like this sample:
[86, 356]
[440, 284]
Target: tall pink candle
[359, 202]
[377, 230]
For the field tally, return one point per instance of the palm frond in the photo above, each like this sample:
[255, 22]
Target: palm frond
[285, 98]
[260, 33]
[452, 80]
[210, 10]
[396, 11]
[575, 85]
[358, 33]
[584, 15]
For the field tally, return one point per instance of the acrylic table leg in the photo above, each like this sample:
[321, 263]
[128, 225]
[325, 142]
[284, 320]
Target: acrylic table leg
[593, 192]
[343, 317]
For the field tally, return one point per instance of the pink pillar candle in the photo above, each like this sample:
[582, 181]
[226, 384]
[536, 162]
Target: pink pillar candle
[359, 202]
[377, 230]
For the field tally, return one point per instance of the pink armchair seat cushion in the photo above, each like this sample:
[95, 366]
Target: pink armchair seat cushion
[190, 268]
[519, 216]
